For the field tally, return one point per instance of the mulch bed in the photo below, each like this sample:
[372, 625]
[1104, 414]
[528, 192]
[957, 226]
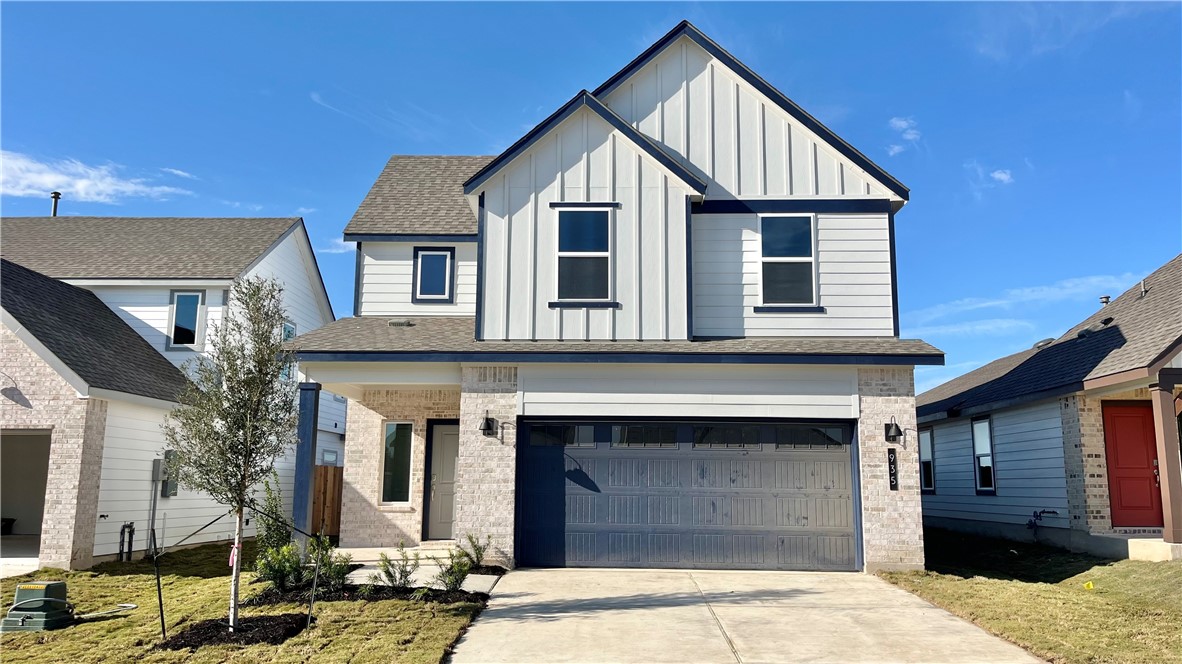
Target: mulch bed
[490, 570]
[351, 593]
[272, 630]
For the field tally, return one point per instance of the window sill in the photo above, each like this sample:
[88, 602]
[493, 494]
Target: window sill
[184, 349]
[396, 508]
[583, 304]
[778, 309]
[986, 492]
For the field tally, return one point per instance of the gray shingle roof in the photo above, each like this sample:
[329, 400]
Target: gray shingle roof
[419, 195]
[87, 336]
[138, 247]
[455, 335]
[1141, 329]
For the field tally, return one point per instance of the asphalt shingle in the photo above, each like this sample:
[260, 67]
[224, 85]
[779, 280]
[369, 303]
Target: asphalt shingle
[419, 195]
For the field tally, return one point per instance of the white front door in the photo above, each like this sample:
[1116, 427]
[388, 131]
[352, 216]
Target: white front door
[445, 445]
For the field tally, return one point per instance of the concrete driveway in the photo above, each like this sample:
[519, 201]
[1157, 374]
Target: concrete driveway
[680, 616]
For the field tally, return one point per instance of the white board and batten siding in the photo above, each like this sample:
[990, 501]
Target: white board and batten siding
[853, 275]
[387, 278]
[1028, 462]
[688, 391]
[746, 145]
[584, 159]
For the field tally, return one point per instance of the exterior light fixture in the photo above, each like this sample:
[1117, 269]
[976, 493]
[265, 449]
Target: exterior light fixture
[488, 425]
[893, 432]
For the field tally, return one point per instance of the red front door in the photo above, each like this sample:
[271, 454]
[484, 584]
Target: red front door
[1131, 445]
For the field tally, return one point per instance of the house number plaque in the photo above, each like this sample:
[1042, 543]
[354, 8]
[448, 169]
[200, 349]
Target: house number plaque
[893, 468]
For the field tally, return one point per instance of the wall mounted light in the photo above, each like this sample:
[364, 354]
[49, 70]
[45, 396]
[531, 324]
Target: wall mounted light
[893, 431]
[488, 425]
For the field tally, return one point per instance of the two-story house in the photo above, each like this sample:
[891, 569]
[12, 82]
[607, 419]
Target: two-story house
[660, 330]
[87, 385]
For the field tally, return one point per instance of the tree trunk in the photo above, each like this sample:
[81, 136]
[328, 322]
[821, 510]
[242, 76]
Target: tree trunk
[236, 552]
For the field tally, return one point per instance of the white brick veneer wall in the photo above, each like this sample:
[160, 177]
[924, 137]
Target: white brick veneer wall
[486, 471]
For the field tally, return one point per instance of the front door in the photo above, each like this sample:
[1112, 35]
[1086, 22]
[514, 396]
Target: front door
[445, 445]
[1131, 445]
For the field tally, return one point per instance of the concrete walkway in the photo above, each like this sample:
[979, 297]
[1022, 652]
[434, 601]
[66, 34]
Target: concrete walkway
[703, 616]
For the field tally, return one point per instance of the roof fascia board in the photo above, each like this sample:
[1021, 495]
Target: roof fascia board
[170, 281]
[614, 357]
[72, 379]
[137, 399]
[687, 29]
[1041, 395]
[298, 223]
[409, 237]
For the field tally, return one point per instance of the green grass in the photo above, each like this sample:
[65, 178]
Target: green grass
[196, 587]
[1035, 597]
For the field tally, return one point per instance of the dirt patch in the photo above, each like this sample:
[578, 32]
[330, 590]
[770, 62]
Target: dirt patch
[272, 630]
[375, 593]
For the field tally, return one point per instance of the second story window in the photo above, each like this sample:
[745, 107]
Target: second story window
[927, 466]
[584, 255]
[434, 275]
[788, 265]
[186, 320]
[983, 455]
[289, 333]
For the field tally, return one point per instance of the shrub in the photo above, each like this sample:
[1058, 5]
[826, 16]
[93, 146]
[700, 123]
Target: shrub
[397, 573]
[366, 590]
[334, 566]
[476, 549]
[272, 534]
[452, 571]
[282, 567]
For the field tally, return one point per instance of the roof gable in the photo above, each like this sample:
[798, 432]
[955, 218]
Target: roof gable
[586, 100]
[857, 166]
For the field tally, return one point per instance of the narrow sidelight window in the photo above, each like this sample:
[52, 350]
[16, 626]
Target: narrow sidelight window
[927, 467]
[983, 455]
[434, 275]
[788, 270]
[289, 333]
[396, 465]
[584, 254]
[186, 319]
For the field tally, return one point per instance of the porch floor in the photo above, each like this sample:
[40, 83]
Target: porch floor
[368, 558]
[19, 554]
[1142, 547]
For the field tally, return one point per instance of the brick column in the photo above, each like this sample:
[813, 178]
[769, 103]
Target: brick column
[1169, 468]
[487, 465]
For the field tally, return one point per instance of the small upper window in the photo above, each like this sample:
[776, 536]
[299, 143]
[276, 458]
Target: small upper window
[927, 467]
[289, 333]
[434, 270]
[396, 466]
[187, 317]
[788, 268]
[983, 455]
[584, 255]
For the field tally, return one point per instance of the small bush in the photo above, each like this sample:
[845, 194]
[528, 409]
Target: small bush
[452, 571]
[366, 590]
[397, 573]
[476, 549]
[334, 567]
[272, 534]
[282, 567]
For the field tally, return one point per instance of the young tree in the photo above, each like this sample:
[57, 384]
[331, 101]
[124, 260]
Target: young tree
[239, 415]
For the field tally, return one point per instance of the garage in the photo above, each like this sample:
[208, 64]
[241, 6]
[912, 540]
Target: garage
[686, 494]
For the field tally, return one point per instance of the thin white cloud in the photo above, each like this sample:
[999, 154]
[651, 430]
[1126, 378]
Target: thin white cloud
[929, 376]
[180, 174]
[1006, 32]
[408, 120]
[1003, 176]
[305, 210]
[901, 124]
[908, 130]
[976, 328]
[337, 246]
[25, 176]
[893, 150]
[1132, 105]
[1074, 289]
[981, 179]
[239, 205]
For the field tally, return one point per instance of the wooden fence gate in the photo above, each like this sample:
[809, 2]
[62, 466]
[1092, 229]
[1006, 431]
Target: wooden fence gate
[326, 500]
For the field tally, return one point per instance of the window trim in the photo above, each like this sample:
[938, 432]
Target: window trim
[583, 302]
[992, 490]
[790, 307]
[198, 344]
[410, 476]
[450, 280]
[931, 432]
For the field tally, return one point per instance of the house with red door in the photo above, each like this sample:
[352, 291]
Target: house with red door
[1073, 442]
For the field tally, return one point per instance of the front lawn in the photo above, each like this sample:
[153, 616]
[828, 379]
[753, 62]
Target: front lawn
[1035, 596]
[196, 587]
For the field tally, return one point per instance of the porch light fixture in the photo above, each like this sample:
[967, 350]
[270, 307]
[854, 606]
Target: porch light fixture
[893, 432]
[488, 425]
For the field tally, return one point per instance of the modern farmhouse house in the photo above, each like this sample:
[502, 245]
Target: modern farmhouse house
[660, 330]
[1077, 436]
[98, 315]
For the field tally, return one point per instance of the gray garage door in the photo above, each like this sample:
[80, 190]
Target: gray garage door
[715, 495]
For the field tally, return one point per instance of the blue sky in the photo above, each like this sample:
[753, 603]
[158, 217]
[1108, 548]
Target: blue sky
[1042, 143]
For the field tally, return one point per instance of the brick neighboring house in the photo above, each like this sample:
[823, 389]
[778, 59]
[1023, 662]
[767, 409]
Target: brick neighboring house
[1082, 429]
[99, 313]
[660, 330]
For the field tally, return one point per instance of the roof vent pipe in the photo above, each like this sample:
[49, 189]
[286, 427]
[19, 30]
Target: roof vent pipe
[1144, 290]
[56, 196]
[1104, 300]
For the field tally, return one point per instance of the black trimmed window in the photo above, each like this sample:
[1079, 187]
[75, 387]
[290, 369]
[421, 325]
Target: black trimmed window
[396, 462]
[289, 333]
[727, 436]
[644, 435]
[584, 255]
[186, 320]
[927, 464]
[434, 275]
[562, 435]
[810, 436]
[983, 456]
[787, 260]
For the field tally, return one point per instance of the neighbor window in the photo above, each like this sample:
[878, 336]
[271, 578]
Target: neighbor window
[927, 467]
[584, 255]
[396, 465]
[186, 319]
[434, 270]
[289, 333]
[788, 266]
[983, 455]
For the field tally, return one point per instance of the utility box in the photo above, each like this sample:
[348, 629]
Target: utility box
[38, 605]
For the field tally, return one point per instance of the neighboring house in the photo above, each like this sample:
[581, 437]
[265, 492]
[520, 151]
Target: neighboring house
[1082, 429]
[659, 330]
[167, 280]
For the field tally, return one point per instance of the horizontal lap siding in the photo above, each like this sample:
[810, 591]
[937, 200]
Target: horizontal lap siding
[146, 310]
[1028, 461]
[854, 278]
[387, 277]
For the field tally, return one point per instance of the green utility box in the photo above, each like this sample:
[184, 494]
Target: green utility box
[39, 605]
